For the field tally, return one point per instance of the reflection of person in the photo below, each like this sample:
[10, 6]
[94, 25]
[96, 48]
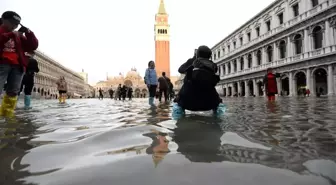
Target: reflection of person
[198, 141]
[13, 63]
[159, 147]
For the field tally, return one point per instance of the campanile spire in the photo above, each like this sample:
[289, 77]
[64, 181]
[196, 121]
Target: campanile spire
[162, 41]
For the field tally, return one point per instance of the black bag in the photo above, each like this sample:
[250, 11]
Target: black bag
[204, 73]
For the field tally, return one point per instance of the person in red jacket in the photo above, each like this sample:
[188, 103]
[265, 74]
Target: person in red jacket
[13, 62]
[270, 84]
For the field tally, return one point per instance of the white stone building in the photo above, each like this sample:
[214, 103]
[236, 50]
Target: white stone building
[295, 37]
[50, 72]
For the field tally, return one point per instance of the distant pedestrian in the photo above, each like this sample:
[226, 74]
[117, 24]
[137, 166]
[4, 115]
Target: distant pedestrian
[151, 82]
[62, 88]
[28, 79]
[270, 84]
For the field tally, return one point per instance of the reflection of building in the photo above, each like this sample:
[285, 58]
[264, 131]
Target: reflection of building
[132, 79]
[162, 45]
[85, 76]
[296, 38]
[50, 71]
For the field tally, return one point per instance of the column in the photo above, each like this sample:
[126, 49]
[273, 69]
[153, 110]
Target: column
[247, 89]
[222, 70]
[254, 58]
[226, 68]
[289, 47]
[330, 80]
[264, 55]
[308, 79]
[275, 52]
[290, 80]
[232, 68]
[255, 88]
[239, 88]
[327, 33]
[306, 41]
[245, 62]
[279, 85]
[238, 64]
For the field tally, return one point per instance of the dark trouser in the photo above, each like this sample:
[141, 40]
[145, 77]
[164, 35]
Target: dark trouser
[28, 83]
[271, 96]
[13, 75]
[195, 98]
[165, 92]
[152, 90]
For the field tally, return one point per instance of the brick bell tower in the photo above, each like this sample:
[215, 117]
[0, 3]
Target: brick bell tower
[162, 45]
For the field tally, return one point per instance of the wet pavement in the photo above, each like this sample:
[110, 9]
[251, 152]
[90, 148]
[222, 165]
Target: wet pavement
[92, 142]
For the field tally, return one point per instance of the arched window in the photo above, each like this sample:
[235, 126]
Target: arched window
[298, 44]
[259, 57]
[234, 66]
[229, 68]
[249, 59]
[241, 63]
[165, 31]
[218, 53]
[269, 51]
[314, 3]
[282, 49]
[317, 37]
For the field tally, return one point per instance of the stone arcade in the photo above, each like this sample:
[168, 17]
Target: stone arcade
[295, 37]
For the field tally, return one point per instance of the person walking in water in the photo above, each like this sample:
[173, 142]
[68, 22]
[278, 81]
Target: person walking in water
[101, 96]
[270, 84]
[13, 63]
[163, 86]
[62, 88]
[151, 81]
[28, 79]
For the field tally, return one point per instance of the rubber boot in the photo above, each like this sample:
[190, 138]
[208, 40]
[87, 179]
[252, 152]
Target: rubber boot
[8, 106]
[27, 102]
[63, 99]
[220, 110]
[60, 99]
[178, 112]
[151, 101]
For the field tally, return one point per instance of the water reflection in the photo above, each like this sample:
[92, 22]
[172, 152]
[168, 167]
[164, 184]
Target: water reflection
[292, 141]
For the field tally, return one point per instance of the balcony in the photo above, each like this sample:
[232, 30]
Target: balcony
[286, 61]
[321, 7]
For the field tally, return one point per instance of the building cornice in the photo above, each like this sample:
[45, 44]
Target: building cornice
[54, 62]
[308, 23]
[260, 15]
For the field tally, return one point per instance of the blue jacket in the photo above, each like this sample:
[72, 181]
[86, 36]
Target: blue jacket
[150, 77]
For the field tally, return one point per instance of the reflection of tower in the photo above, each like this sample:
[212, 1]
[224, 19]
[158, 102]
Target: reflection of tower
[162, 45]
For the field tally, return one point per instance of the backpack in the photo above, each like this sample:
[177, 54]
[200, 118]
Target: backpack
[204, 73]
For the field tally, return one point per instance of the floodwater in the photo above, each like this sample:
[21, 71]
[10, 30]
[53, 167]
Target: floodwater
[93, 142]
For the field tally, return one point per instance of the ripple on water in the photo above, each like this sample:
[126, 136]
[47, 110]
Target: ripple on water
[291, 141]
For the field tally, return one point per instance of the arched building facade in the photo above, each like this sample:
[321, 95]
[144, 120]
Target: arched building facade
[50, 71]
[296, 38]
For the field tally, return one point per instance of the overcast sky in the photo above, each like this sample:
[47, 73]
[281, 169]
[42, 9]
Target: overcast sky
[112, 36]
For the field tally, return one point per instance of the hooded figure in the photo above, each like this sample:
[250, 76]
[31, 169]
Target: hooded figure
[270, 84]
[198, 92]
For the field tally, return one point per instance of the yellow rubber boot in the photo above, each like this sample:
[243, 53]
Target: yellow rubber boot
[8, 106]
[63, 98]
[60, 99]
